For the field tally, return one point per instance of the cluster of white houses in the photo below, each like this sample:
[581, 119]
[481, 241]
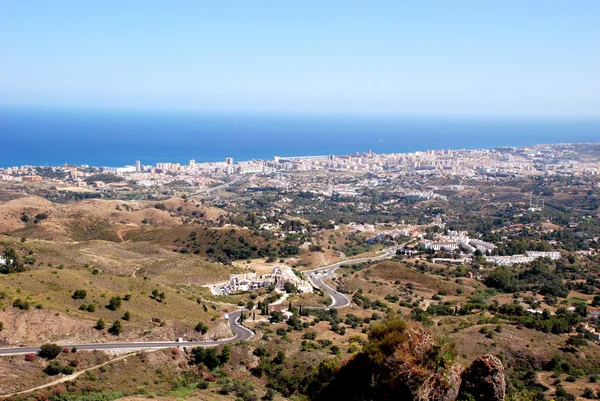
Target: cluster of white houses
[529, 256]
[454, 239]
[279, 276]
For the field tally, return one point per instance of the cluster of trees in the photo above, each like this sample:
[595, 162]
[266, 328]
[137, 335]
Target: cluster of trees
[366, 303]
[537, 278]
[88, 307]
[54, 368]
[209, 357]
[243, 390]
[282, 378]
[108, 178]
[12, 262]
[191, 244]
[38, 217]
[442, 309]
[249, 220]
[561, 322]
[158, 296]
[327, 315]
[116, 328]
[293, 225]
[239, 248]
[51, 352]
[518, 246]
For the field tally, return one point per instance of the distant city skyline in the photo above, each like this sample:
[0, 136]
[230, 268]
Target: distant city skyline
[385, 57]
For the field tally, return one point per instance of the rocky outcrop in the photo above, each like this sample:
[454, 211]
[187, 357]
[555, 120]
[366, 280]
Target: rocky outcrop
[484, 380]
[412, 367]
[219, 331]
[441, 387]
[404, 362]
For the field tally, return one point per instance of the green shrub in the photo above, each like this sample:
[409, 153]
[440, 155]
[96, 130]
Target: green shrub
[116, 328]
[201, 328]
[114, 303]
[20, 304]
[49, 351]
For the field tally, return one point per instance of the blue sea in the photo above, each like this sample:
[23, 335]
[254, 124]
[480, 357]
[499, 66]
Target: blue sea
[36, 136]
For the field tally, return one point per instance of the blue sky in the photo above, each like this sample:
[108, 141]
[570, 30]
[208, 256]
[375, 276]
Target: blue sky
[435, 57]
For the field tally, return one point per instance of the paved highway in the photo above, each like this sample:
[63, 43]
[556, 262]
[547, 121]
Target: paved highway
[241, 333]
[210, 190]
[317, 276]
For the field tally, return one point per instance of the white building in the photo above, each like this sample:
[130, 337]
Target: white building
[278, 276]
[482, 245]
[552, 255]
[517, 259]
[439, 245]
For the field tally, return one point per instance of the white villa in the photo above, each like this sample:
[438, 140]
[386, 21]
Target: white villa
[278, 276]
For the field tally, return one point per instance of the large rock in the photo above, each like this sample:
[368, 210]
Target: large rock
[484, 379]
[219, 331]
[441, 387]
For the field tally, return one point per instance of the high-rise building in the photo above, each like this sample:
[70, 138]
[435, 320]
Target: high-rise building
[229, 161]
[163, 166]
[192, 163]
[138, 166]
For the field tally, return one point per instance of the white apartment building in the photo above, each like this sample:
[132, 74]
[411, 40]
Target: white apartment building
[552, 255]
[530, 256]
[439, 245]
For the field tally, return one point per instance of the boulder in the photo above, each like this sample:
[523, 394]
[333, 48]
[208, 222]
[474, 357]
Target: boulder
[484, 380]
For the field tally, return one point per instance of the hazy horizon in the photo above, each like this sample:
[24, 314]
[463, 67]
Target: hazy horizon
[537, 58]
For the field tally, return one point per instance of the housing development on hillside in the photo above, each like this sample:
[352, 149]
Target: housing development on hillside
[279, 277]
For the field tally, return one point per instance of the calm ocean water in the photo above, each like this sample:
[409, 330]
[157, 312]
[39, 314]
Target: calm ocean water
[111, 138]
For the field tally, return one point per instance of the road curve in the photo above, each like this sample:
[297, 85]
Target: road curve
[241, 333]
[339, 300]
[210, 190]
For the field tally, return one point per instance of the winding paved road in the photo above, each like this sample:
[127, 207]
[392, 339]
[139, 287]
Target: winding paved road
[315, 276]
[241, 333]
[339, 300]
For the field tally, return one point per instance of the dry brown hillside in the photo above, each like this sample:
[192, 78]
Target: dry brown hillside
[95, 219]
